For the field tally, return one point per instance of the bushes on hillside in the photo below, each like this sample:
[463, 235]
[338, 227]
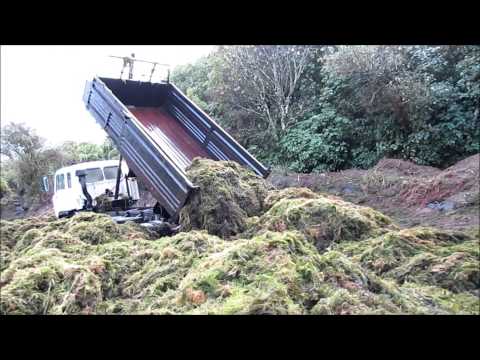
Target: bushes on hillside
[350, 106]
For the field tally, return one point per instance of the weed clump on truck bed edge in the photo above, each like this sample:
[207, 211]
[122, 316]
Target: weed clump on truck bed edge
[228, 194]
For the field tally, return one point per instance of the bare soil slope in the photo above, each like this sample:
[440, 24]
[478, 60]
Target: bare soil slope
[411, 194]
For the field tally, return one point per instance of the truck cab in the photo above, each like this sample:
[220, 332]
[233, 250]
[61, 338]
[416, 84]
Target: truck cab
[100, 178]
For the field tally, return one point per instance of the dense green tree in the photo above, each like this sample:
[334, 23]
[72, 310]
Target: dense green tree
[26, 158]
[21, 149]
[349, 106]
[411, 102]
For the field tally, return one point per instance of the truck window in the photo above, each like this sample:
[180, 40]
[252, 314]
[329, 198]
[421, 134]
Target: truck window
[69, 181]
[60, 182]
[93, 175]
[110, 172]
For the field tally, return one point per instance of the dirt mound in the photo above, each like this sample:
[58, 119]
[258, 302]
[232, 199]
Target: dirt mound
[458, 183]
[228, 194]
[404, 168]
[470, 164]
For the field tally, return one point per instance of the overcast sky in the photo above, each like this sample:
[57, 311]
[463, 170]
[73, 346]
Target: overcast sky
[42, 86]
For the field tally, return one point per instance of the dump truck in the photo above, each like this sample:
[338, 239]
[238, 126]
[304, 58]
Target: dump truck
[158, 131]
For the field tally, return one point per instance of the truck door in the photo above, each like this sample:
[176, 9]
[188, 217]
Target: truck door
[60, 201]
[66, 196]
[96, 183]
[111, 178]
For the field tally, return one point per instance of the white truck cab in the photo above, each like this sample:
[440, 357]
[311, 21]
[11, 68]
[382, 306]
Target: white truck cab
[100, 176]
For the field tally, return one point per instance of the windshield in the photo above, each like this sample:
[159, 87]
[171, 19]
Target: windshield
[93, 175]
[110, 172]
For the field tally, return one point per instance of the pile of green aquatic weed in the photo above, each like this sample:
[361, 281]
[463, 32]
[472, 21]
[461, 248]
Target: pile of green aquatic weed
[289, 193]
[262, 275]
[227, 195]
[233, 201]
[428, 256]
[348, 288]
[44, 282]
[53, 267]
[12, 232]
[86, 226]
[164, 266]
[59, 272]
[63, 271]
[322, 219]
[290, 251]
[283, 273]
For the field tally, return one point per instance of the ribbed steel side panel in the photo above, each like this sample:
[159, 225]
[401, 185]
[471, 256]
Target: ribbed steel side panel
[215, 139]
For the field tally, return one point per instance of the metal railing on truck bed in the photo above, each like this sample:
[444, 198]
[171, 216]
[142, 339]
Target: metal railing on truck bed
[158, 131]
